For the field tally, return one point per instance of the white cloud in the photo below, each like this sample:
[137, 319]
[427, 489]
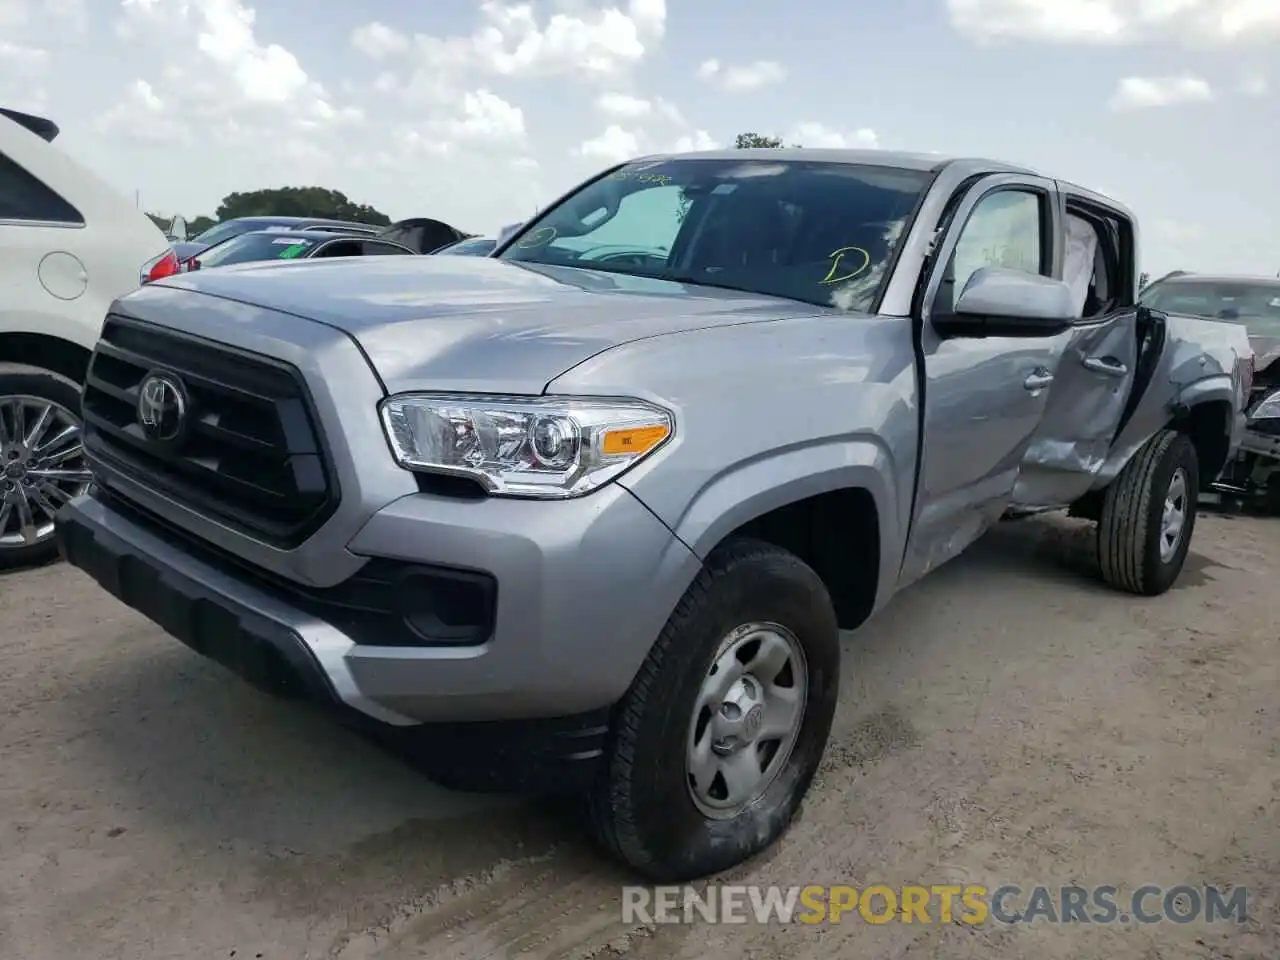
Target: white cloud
[612, 146]
[1142, 93]
[513, 41]
[29, 31]
[809, 133]
[698, 140]
[486, 117]
[742, 79]
[623, 105]
[378, 41]
[1117, 21]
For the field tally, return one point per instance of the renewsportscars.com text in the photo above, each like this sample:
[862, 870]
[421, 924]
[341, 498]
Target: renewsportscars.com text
[943, 903]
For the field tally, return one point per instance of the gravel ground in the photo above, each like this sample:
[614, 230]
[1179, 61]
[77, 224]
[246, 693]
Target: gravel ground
[1009, 720]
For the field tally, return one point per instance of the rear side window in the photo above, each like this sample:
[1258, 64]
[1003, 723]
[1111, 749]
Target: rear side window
[25, 199]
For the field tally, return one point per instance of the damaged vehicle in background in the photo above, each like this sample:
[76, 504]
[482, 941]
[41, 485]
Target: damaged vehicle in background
[1253, 302]
[588, 514]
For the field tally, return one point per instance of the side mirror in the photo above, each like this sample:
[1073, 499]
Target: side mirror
[1000, 302]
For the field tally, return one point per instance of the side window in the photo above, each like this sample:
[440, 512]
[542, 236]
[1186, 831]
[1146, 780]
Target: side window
[24, 198]
[1093, 264]
[375, 248]
[1005, 229]
[339, 248]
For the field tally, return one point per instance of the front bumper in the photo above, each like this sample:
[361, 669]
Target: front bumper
[581, 597]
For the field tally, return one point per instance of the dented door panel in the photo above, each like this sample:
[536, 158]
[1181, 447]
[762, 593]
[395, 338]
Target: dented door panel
[1085, 407]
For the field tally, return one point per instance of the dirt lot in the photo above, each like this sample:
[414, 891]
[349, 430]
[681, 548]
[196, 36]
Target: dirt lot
[1007, 721]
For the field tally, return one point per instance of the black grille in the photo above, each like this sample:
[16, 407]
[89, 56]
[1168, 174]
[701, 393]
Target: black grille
[251, 457]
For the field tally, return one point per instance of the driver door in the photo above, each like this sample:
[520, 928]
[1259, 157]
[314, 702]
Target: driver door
[983, 397]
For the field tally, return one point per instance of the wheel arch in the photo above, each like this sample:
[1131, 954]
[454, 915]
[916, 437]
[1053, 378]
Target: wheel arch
[45, 352]
[833, 505]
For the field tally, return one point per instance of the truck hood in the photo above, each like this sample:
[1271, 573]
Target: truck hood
[478, 324]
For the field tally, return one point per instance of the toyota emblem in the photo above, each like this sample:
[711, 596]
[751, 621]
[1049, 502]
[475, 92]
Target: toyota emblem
[162, 408]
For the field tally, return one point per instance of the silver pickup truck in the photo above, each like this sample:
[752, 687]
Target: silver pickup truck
[588, 514]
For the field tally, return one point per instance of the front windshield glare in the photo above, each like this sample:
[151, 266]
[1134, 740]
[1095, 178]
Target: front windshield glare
[1255, 305]
[817, 231]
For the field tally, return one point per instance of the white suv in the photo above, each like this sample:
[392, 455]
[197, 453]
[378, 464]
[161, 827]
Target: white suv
[69, 245]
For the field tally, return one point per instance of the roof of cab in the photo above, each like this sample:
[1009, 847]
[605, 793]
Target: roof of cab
[924, 162]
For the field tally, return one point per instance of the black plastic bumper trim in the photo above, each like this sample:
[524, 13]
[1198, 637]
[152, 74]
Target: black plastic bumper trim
[267, 654]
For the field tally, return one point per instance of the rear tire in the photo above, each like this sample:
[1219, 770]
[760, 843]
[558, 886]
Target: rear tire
[50, 402]
[1149, 515]
[711, 697]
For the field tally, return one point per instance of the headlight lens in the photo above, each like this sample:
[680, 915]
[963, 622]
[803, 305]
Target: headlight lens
[548, 447]
[1268, 409]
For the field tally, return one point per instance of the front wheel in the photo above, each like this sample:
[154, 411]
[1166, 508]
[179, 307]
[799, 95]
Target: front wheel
[718, 739]
[42, 462]
[1149, 515]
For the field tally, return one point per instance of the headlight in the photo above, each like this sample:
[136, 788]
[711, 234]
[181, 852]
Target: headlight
[549, 447]
[1268, 409]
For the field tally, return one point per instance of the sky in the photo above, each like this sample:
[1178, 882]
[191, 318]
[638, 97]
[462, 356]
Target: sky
[478, 112]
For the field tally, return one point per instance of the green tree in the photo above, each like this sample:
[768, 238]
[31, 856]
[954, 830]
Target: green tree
[751, 141]
[198, 225]
[298, 202]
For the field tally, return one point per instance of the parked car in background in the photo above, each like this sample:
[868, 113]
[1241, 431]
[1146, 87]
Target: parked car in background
[69, 245]
[233, 228]
[294, 245]
[423, 234]
[470, 247]
[1254, 303]
[588, 514]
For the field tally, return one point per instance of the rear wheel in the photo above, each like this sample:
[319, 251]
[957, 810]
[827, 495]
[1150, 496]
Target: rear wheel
[1149, 515]
[42, 462]
[720, 735]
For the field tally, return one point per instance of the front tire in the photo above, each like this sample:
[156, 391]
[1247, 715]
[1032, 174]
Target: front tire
[42, 462]
[717, 741]
[1149, 515]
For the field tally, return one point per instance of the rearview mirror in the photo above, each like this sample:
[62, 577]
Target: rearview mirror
[1000, 302]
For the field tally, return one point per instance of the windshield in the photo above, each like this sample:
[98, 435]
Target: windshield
[225, 231]
[256, 246]
[820, 232]
[1254, 303]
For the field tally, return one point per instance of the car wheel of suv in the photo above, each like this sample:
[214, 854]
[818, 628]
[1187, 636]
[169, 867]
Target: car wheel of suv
[722, 731]
[1149, 514]
[42, 462]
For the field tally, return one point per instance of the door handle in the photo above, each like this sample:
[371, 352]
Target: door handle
[1108, 365]
[1038, 380]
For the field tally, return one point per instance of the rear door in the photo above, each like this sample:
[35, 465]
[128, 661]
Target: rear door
[1093, 381]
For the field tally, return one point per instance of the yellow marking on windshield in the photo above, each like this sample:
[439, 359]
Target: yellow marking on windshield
[837, 258]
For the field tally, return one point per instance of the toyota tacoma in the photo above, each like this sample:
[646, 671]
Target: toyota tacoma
[588, 514]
